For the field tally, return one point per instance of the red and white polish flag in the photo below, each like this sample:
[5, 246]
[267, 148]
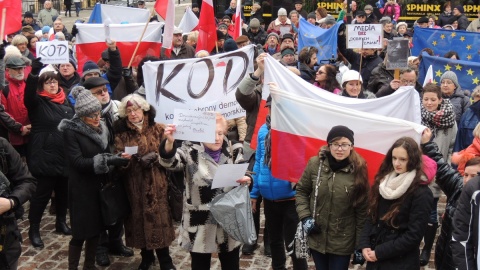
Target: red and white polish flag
[207, 29]
[91, 41]
[300, 126]
[189, 21]
[238, 21]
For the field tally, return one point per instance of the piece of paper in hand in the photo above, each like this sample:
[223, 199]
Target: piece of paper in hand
[194, 126]
[131, 150]
[228, 174]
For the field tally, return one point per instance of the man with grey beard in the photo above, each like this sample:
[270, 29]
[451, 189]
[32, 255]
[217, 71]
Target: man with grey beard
[12, 99]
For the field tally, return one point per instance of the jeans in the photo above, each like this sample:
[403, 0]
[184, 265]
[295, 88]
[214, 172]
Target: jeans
[39, 201]
[281, 220]
[434, 214]
[228, 260]
[330, 261]
[78, 7]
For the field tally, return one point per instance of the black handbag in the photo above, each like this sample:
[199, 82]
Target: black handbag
[114, 202]
[175, 199]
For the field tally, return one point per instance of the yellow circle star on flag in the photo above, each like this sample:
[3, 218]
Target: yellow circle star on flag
[438, 73]
[462, 38]
[470, 72]
[447, 67]
[442, 36]
[453, 34]
[475, 80]
[469, 57]
[434, 81]
[469, 47]
[458, 67]
[434, 43]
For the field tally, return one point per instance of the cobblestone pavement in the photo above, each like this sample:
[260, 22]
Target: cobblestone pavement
[55, 253]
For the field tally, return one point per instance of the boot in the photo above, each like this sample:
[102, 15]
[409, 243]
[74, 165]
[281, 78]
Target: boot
[90, 251]
[148, 259]
[163, 256]
[62, 227]
[74, 254]
[34, 235]
[266, 243]
[428, 238]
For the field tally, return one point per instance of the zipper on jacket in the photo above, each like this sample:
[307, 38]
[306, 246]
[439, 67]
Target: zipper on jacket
[346, 190]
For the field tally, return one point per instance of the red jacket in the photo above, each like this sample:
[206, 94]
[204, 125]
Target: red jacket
[15, 107]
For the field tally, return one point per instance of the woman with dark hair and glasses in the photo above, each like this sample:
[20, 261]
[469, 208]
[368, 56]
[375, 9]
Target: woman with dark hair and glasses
[336, 179]
[47, 105]
[326, 78]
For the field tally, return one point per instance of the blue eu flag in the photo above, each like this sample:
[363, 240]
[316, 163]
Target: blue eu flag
[468, 72]
[442, 41]
[325, 40]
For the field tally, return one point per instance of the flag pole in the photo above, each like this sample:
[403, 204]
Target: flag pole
[361, 58]
[2, 30]
[139, 41]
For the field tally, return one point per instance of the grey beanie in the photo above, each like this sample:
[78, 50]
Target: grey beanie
[451, 76]
[85, 102]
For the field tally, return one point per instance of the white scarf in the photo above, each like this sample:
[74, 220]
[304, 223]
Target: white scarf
[394, 185]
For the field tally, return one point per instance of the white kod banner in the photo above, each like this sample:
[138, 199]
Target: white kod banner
[200, 84]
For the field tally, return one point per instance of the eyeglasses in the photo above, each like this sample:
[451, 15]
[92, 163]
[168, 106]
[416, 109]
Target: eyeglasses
[343, 146]
[51, 82]
[99, 93]
[321, 72]
[133, 110]
[94, 116]
[411, 83]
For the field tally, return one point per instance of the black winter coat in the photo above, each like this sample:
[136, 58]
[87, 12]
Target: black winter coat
[398, 248]
[307, 73]
[465, 227]
[445, 18]
[45, 155]
[451, 183]
[460, 103]
[379, 77]
[257, 38]
[87, 172]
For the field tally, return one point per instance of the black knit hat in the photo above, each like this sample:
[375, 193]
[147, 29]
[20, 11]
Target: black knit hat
[340, 131]
[94, 82]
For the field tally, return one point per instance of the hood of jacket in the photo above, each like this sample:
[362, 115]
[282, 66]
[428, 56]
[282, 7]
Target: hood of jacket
[77, 125]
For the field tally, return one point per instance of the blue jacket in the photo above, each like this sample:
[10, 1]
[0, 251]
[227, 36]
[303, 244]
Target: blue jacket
[264, 183]
[467, 124]
[109, 87]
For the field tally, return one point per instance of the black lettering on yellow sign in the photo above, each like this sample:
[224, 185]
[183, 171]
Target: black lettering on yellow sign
[423, 7]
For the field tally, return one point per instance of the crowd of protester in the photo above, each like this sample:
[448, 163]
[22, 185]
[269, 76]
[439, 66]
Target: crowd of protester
[64, 135]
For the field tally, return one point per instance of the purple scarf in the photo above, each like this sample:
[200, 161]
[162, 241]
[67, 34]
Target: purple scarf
[214, 154]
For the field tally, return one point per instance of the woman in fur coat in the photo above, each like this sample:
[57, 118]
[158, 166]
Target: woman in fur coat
[150, 225]
[89, 161]
[200, 233]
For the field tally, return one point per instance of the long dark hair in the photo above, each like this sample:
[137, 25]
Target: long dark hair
[414, 163]
[331, 82]
[360, 175]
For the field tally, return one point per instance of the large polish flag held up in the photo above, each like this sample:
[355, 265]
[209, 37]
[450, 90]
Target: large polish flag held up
[91, 41]
[118, 14]
[207, 29]
[189, 21]
[295, 141]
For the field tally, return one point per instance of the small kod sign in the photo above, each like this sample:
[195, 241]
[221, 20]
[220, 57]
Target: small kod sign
[53, 52]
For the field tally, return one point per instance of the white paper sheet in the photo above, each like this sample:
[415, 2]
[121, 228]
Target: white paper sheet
[228, 174]
[131, 150]
[194, 126]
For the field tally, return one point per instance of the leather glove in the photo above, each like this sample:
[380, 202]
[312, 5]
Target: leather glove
[117, 161]
[358, 257]
[36, 66]
[2, 51]
[74, 31]
[147, 161]
[126, 72]
[309, 226]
